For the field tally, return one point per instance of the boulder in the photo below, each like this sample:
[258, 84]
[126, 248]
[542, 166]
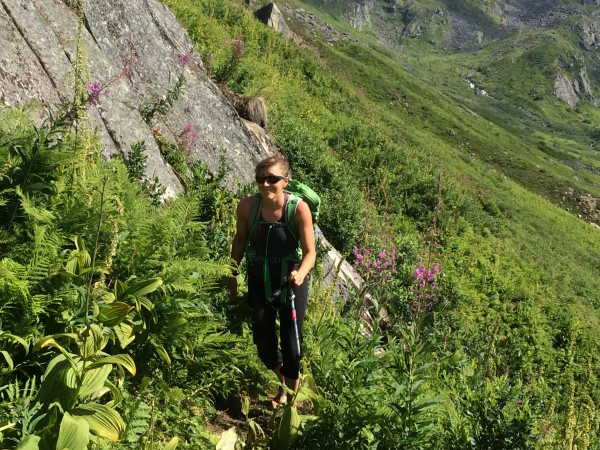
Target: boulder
[271, 16]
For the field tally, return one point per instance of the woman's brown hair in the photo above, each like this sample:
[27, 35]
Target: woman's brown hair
[272, 160]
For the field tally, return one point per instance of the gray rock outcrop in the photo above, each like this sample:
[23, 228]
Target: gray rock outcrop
[271, 16]
[136, 52]
[590, 35]
[572, 91]
[359, 14]
[564, 90]
[584, 82]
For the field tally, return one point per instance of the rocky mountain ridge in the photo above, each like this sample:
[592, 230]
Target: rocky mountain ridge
[468, 26]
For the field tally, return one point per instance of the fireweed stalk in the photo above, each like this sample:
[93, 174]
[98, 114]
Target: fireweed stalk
[187, 138]
[375, 267]
[425, 288]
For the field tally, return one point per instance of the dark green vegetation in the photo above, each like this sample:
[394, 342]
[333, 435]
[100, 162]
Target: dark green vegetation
[113, 313]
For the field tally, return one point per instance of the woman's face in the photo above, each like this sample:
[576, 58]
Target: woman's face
[271, 181]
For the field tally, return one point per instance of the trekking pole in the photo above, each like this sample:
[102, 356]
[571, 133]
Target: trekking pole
[294, 319]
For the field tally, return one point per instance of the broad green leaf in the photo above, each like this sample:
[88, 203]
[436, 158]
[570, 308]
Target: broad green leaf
[100, 336]
[94, 378]
[113, 314]
[172, 445]
[58, 382]
[87, 347]
[74, 433]
[8, 360]
[288, 427]
[245, 405]
[119, 289]
[228, 440]
[103, 420]
[147, 304]
[162, 352]
[143, 287]
[150, 307]
[108, 297]
[12, 337]
[117, 395]
[29, 443]
[72, 377]
[125, 333]
[122, 360]
[306, 393]
[51, 340]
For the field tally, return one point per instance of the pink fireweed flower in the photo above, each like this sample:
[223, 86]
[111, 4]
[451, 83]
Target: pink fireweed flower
[94, 90]
[425, 288]
[238, 47]
[378, 267]
[187, 138]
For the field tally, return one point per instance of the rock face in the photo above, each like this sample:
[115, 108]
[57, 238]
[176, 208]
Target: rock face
[590, 35]
[359, 14]
[564, 90]
[139, 49]
[572, 91]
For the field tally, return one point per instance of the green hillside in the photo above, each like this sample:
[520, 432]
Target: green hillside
[481, 331]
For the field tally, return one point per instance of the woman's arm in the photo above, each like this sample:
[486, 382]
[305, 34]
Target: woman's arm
[238, 246]
[307, 241]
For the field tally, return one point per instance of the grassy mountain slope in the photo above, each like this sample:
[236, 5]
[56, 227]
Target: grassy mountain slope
[448, 203]
[517, 180]
[354, 121]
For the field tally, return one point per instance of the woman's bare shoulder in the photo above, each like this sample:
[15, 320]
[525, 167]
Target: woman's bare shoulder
[245, 204]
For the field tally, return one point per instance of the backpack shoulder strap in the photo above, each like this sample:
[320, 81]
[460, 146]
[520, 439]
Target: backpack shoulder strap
[254, 212]
[290, 214]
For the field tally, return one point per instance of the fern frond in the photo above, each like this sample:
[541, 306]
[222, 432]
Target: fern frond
[14, 290]
[36, 213]
[137, 415]
[45, 254]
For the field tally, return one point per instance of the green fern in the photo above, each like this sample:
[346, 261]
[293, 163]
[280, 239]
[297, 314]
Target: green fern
[17, 410]
[137, 415]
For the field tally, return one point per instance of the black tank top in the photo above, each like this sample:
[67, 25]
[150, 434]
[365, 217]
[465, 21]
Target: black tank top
[273, 239]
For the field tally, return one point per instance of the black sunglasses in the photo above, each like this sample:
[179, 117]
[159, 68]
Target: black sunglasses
[271, 179]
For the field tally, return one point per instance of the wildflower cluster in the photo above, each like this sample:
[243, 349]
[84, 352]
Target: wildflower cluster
[184, 59]
[425, 288]
[373, 266]
[238, 47]
[187, 138]
[94, 90]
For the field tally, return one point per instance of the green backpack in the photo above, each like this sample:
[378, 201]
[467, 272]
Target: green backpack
[297, 191]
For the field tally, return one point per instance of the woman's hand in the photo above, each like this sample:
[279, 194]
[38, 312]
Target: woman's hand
[297, 277]
[232, 286]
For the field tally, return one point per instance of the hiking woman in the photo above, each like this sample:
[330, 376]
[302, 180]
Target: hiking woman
[274, 264]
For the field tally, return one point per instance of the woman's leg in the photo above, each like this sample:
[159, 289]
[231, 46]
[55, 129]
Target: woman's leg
[264, 335]
[289, 347]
